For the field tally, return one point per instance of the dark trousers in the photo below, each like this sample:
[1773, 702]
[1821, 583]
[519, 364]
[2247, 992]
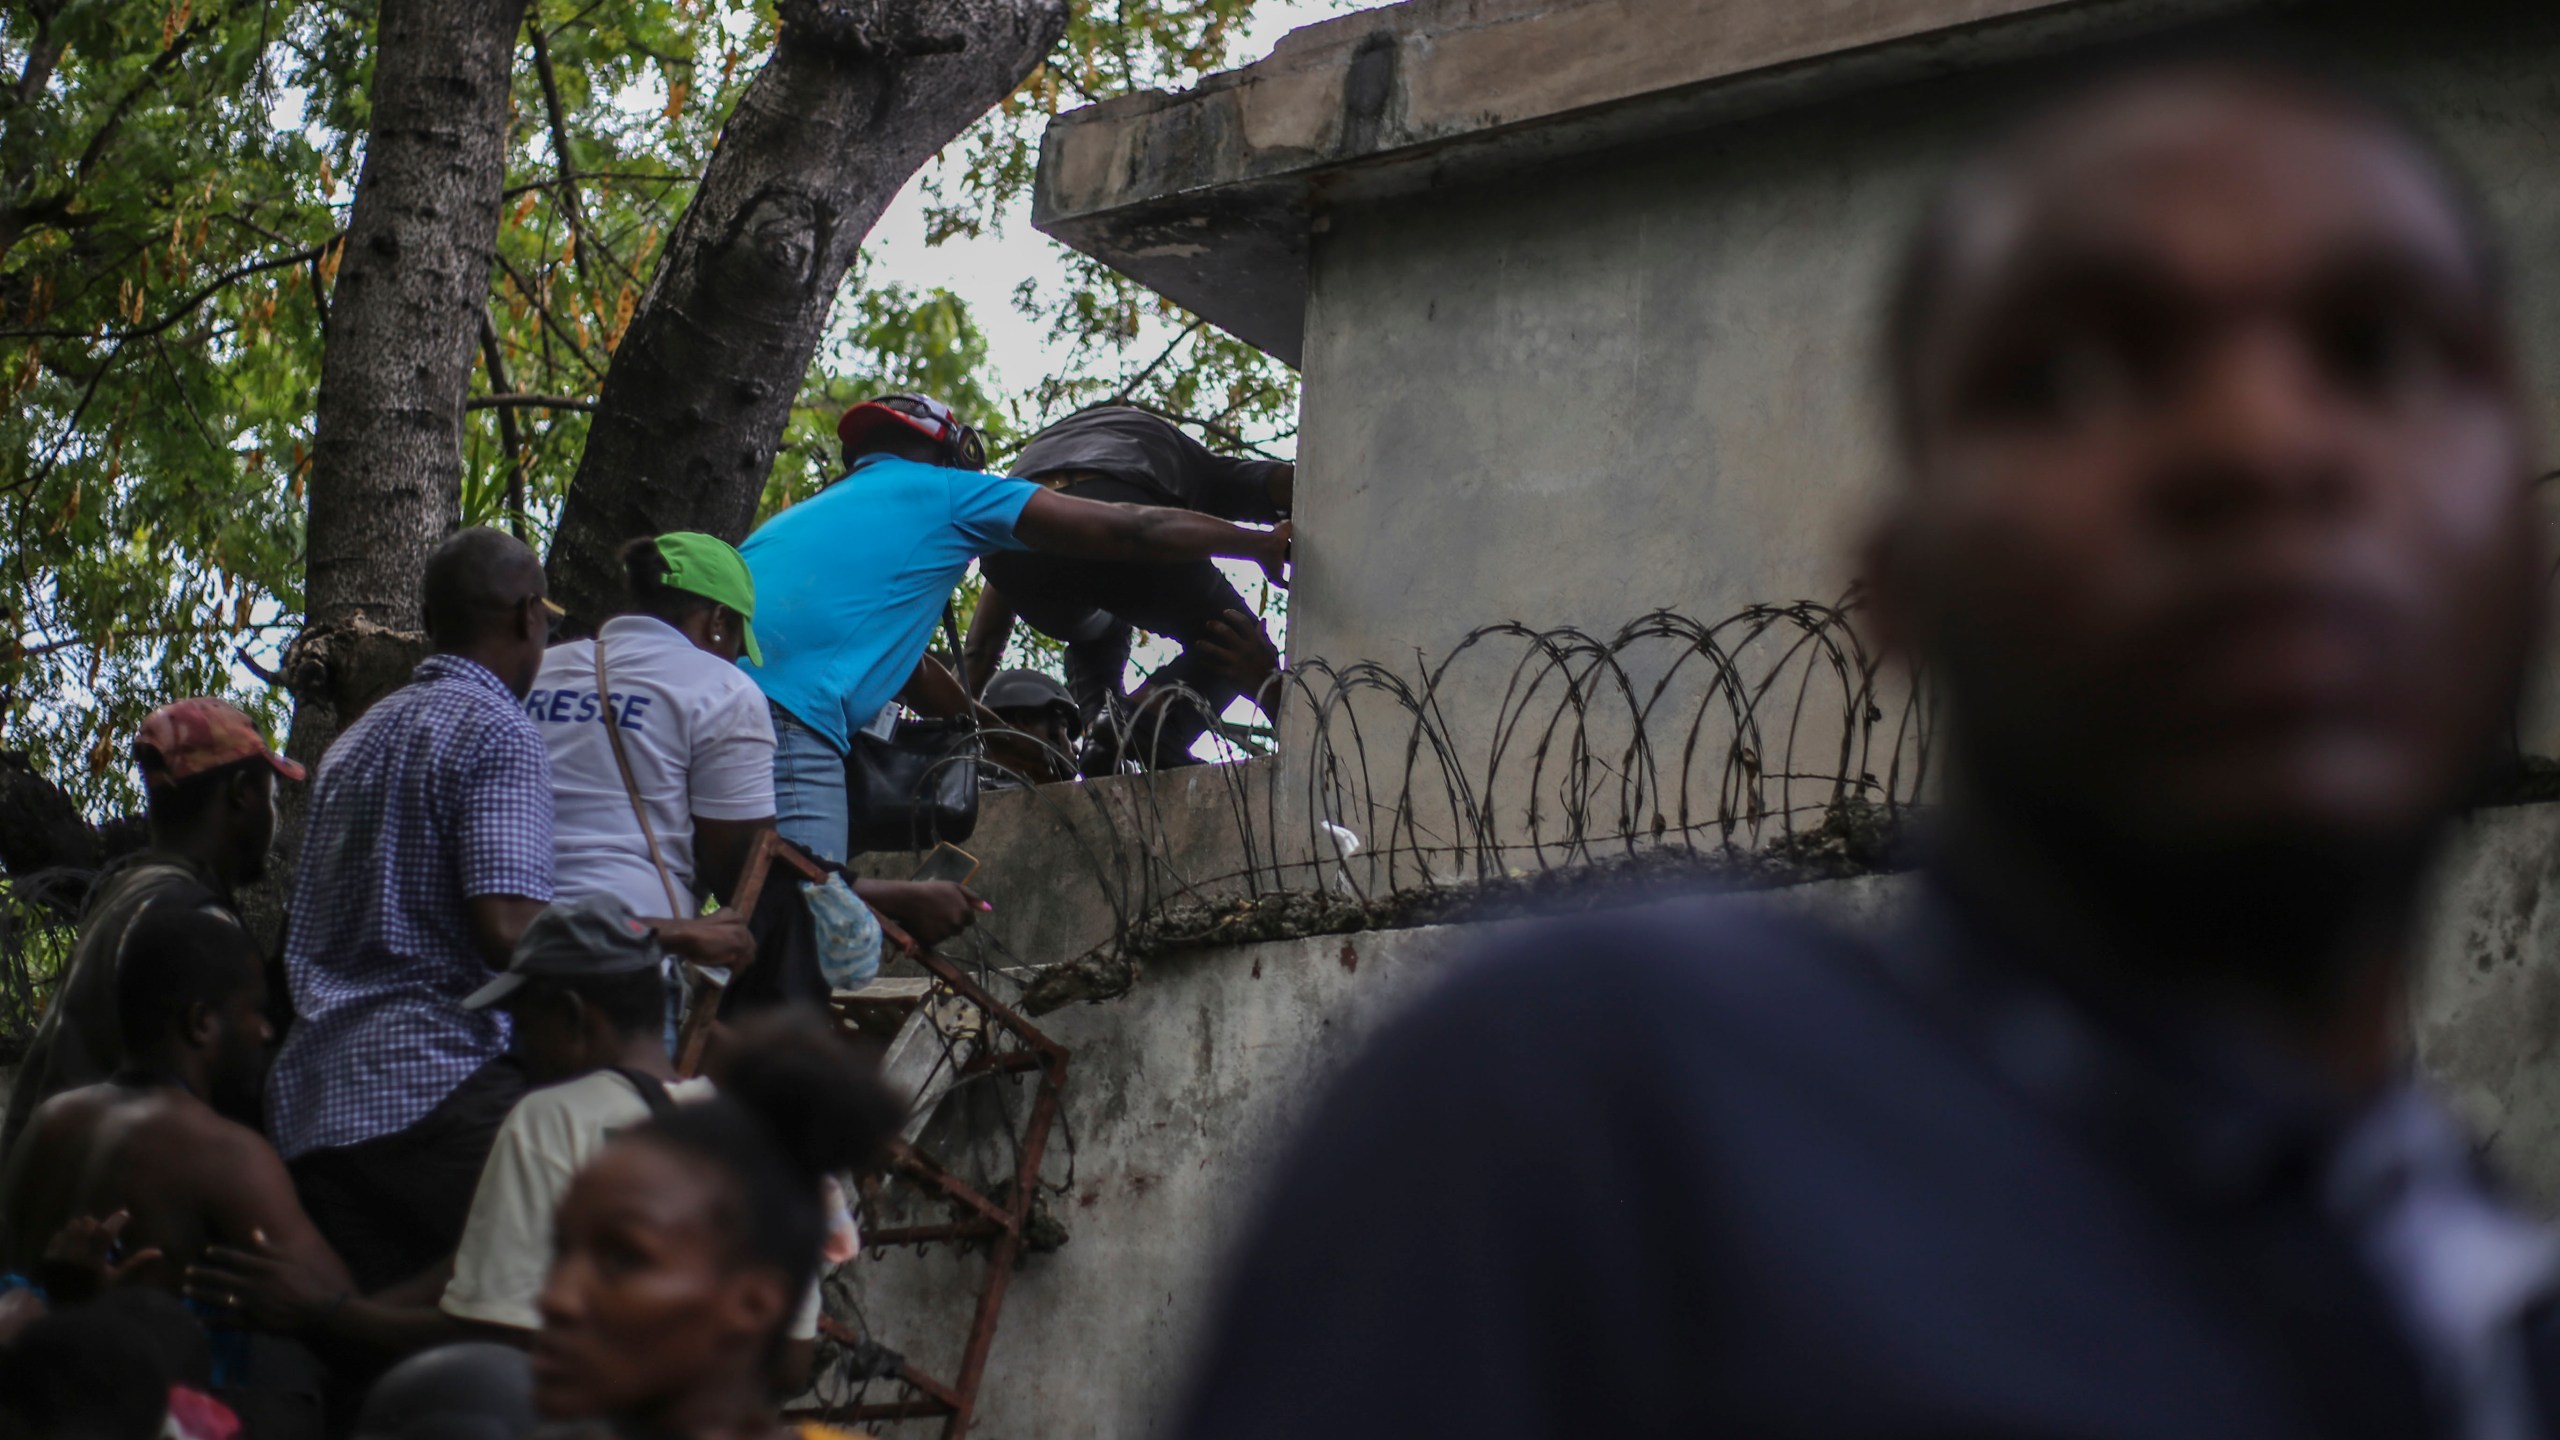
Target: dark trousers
[394, 1205]
[1092, 606]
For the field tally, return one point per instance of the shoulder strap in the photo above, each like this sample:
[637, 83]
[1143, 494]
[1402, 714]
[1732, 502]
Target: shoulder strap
[959, 661]
[653, 1091]
[631, 786]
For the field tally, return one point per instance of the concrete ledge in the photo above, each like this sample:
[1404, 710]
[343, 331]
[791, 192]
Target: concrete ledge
[1207, 196]
[1068, 865]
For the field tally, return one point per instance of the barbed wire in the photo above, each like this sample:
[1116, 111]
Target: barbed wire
[1518, 754]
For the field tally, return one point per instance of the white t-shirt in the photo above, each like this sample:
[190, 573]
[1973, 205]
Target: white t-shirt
[700, 740]
[551, 1134]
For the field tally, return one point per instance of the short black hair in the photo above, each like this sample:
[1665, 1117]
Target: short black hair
[2280, 60]
[798, 1104]
[644, 574]
[177, 804]
[903, 444]
[179, 952]
[88, 1372]
[635, 1001]
[473, 579]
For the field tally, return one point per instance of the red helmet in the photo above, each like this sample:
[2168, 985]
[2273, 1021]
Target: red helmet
[921, 414]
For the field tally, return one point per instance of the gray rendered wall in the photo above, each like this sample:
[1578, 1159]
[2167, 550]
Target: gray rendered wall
[1646, 379]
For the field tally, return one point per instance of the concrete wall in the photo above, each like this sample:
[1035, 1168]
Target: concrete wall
[2487, 1018]
[1183, 1091]
[1645, 378]
[1068, 865]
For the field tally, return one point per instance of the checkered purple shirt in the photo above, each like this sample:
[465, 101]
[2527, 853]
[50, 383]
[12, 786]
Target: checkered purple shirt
[441, 792]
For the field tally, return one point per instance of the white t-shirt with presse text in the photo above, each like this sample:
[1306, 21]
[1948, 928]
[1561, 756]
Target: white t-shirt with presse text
[700, 740]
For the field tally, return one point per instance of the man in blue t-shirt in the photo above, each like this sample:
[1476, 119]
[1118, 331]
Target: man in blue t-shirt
[850, 581]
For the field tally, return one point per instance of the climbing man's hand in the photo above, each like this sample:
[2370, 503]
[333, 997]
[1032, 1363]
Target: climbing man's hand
[1272, 552]
[931, 910]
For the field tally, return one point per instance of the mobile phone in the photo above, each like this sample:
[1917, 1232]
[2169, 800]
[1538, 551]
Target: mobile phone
[948, 862]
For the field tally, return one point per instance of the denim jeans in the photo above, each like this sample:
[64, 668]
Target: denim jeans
[809, 804]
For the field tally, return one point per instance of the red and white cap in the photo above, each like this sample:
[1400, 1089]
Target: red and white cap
[183, 740]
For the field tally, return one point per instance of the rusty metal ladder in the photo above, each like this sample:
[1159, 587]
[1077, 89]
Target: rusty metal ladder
[999, 1224]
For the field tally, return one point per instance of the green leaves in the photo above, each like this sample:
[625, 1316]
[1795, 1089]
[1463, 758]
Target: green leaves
[173, 177]
[159, 338]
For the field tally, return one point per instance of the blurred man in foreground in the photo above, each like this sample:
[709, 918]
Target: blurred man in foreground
[2214, 530]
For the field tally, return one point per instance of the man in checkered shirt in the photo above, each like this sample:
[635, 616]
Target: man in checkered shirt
[427, 853]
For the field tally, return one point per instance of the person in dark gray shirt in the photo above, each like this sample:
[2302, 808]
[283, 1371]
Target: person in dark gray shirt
[1136, 457]
[2216, 534]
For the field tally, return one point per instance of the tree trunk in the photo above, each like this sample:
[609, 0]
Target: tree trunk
[858, 95]
[404, 319]
[403, 324]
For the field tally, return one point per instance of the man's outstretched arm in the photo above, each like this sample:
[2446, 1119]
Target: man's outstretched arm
[292, 1298]
[1159, 534]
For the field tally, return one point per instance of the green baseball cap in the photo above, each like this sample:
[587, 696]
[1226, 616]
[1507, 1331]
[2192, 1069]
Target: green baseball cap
[712, 568]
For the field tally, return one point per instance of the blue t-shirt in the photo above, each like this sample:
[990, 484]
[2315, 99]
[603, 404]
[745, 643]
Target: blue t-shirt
[850, 582]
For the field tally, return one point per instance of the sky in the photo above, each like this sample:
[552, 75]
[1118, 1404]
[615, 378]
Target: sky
[984, 271]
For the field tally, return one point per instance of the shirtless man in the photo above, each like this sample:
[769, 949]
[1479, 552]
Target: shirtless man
[163, 1139]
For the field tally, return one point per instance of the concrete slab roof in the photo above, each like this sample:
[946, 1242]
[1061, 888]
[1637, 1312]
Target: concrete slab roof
[1207, 196]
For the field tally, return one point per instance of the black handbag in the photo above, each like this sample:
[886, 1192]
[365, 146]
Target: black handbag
[919, 786]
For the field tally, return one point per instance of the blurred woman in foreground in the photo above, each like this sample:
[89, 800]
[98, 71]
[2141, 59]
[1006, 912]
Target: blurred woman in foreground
[682, 1251]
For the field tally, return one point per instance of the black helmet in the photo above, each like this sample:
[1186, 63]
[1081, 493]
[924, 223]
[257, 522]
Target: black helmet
[1027, 690]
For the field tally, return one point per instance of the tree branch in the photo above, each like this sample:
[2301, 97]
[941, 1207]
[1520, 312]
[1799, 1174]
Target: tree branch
[678, 178]
[178, 384]
[42, 54]
[705, 376]
[562, 159]
[151, 73]
[571, 200]
[25, 651]
[1134, 381]
[70, 428]
[253, 227]
[494, 356]
[1214, 429]
[549, 322]
[183, 309]
[319, 291]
